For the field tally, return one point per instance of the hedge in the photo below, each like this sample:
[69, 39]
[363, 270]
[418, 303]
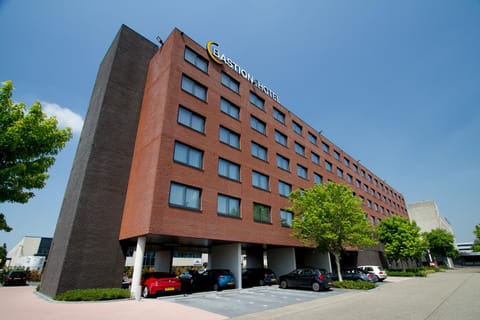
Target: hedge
[93, 294]
[350, 284]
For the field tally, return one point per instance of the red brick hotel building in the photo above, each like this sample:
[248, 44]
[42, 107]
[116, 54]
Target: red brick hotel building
[211, 155]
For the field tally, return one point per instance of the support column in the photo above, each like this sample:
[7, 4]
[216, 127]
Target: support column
[281, 260]
[136, 288]
[163, 261]
[228, 257]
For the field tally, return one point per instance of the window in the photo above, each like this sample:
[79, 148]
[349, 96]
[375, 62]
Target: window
[318, 179]
[283, 163]
[297, 128]
[261, 213]
[187, 155]
[228, 206]
[299, 149]
[362, 173]
[279, 115]
[365, 188]
[312, 138]
[230, 83]
[315, 158]
[191, 119]
[346, 162]
[302, 171]
[284, 188]
[325, 147]
[260, 180]
[258, 125]
[259, 151]
[286, 218]
[195, 59]
[184, 196]
[375, 207]
[194, 88]
[328, 166]
[229, 108]
[369, 177]
[229, 137]
[280, 138]
[228, 169]
[340, 173]
[372, 219]
[336, 154]
[256, 100]
[355, 168]
[349, 178]
[358, 183]
[369, 203]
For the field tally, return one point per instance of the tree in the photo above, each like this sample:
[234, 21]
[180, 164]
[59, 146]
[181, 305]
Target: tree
[402, 239]
[330, 218]
[476, 243]
[29, 140]
[441, 243]
[3, 255]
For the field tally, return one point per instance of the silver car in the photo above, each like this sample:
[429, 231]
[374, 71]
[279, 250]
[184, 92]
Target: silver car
[377, 270]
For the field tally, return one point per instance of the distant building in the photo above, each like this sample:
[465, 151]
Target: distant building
[467, 256]
[428, 217]
[30, 253]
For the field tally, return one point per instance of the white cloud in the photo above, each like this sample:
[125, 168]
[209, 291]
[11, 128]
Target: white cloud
[65, 116]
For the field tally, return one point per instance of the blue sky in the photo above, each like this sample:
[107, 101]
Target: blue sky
[396, 84]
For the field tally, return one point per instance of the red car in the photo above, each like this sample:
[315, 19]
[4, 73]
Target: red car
[159, 282]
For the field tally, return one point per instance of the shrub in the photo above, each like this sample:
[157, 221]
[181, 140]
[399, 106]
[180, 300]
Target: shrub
[350, 284]
[93, 294]
[396, 273]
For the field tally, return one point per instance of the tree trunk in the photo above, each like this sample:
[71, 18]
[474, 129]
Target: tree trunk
[337, 262]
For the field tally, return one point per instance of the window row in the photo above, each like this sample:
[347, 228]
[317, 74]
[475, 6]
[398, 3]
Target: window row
[188, 197]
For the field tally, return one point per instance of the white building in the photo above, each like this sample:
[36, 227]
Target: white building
[428, 217]
[29, 253]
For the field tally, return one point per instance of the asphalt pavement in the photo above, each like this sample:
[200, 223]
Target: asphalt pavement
[447, 295]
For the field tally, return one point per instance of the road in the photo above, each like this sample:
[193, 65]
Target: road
[447, 295]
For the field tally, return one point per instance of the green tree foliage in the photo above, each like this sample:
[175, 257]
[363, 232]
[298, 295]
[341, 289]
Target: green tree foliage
[29, 141]
[330, 218]
[476, 243]
[441, 243]
[402, 239]
[3, 256]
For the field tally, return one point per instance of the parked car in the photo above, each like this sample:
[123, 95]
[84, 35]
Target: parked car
[356, 274]
[15, 277]
[258, 277]
[377, 270]
[213, 279]
[313, 278]
[154, 283]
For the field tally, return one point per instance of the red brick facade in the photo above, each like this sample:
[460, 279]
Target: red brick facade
[147, 210]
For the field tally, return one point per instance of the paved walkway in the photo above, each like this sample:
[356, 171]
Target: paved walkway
[22, 303]
[441, 296]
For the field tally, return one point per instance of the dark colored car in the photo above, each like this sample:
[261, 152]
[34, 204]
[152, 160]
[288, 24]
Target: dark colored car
[213, 279]
[258, 277]
[154, 283]
[18, 278]
[357, 274]
[313, 278]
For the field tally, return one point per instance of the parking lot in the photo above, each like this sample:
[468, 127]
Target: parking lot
[233, 303]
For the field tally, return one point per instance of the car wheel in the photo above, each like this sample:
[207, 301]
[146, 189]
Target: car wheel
[316, 286]
[145, 292]
[283, 284]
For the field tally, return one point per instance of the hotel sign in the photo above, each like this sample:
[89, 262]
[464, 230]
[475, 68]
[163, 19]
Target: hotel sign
[220, 58]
